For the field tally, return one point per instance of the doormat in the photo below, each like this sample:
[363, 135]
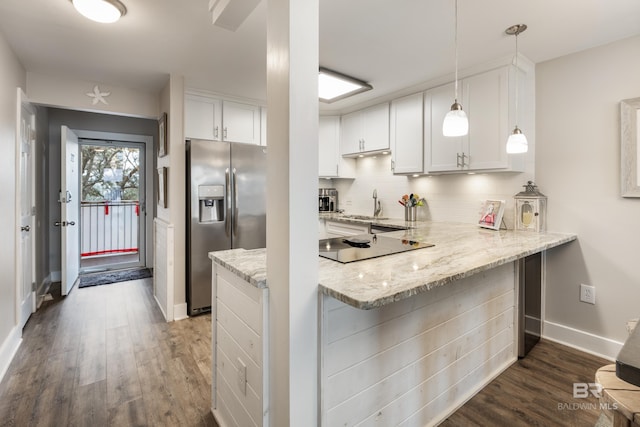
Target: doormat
[109, 277]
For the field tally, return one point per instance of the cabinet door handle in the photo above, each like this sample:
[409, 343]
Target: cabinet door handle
[224, 133]
[336, 170]
[215, 132]
[393, 165]
[458, 160]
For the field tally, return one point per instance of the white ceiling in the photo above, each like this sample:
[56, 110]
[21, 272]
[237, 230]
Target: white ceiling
[391, 44]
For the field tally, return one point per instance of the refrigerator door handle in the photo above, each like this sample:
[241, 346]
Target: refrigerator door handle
[235, 203]
[227, 224]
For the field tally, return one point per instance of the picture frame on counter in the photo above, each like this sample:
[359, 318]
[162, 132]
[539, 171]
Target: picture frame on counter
[162, 186]
[491, 214]
[162, 135]
[629, 153]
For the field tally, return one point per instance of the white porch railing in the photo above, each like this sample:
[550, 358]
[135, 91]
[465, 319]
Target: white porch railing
[109, 228]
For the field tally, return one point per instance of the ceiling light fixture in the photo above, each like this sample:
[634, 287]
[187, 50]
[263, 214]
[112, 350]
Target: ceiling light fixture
[333, 86]
[103, 11]
[456, 122]
[517, 142]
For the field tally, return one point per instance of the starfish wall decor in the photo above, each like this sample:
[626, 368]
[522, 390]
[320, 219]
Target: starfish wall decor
[98, 96]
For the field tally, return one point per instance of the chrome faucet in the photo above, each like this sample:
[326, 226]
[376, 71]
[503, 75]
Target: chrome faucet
[376, 204]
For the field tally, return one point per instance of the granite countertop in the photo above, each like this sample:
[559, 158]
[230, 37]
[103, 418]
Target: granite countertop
[460, 250]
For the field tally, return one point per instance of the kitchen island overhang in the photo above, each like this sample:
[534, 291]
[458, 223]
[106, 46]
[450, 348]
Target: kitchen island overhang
[407, 338]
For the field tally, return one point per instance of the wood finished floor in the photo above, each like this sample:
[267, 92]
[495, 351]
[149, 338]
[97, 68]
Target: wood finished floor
[530, 391]
[105, 357]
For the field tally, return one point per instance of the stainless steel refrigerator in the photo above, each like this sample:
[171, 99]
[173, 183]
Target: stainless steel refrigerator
[226, 209]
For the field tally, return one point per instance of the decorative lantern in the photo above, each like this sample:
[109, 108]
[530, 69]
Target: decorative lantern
[531, 209]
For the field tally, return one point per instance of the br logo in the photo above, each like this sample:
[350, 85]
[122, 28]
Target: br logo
[582, 390]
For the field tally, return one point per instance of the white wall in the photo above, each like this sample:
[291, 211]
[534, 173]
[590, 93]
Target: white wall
[456, 197]
[12, 76]
[172, 103]
[63, 92]
[578, 167]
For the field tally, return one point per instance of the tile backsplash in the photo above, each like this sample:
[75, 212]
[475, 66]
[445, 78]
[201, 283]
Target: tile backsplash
[455, 197]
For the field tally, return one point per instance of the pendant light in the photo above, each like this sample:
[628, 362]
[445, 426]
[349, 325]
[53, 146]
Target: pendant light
[455, 122]
[517, 142]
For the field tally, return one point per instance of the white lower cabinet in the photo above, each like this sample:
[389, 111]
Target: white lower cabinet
[342, 229]
[240, 388]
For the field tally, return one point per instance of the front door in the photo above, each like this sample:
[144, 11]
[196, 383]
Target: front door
[69, 202]
[25, 141]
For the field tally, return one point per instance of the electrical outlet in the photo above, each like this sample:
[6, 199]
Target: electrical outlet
[587, 294]
[242, 376]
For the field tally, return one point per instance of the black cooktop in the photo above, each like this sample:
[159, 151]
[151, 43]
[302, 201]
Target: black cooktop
[366, 246]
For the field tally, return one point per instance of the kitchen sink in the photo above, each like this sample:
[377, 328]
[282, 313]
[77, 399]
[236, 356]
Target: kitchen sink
[364, 217]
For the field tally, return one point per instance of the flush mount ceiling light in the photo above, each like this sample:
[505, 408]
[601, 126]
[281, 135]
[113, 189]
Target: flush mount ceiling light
[455, 122]
[103, 11]
[333, 86]
[517, 142]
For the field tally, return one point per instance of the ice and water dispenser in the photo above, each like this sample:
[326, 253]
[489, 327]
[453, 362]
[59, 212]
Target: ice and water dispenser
[211, 201]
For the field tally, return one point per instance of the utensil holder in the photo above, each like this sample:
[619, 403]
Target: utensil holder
[410, 213]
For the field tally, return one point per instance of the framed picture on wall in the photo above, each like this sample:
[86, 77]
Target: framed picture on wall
[162, 186]
[491, 214]
[162, 135]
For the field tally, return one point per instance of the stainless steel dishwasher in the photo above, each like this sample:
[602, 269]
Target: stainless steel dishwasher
[529, 303]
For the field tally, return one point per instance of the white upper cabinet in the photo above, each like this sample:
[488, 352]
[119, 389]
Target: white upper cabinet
[330, 162]
[218, 120]
[406, 127]
[202, 118]
[486, 99]
[441, 153]
[240, 122]
[365, 131]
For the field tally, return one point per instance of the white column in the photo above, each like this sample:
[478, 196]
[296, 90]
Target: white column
[292, 185]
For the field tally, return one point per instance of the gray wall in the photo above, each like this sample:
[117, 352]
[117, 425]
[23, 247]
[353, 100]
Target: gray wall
[12, 76]
[80, 120]
[578, 167]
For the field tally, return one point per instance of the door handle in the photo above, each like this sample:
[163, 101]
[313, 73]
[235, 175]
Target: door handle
[235, 203]
[71, 223]
[215, 132]
[227, 183]
[25, 228]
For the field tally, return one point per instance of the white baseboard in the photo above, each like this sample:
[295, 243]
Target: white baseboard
[56, 276]
[8, 349]
[581, 340]
[180, 311]
[161, 308]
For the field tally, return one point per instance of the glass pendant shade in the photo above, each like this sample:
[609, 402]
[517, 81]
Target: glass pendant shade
[455, 122]
[517, 142]
[103, 11]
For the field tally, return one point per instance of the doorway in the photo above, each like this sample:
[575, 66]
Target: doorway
[112, 191]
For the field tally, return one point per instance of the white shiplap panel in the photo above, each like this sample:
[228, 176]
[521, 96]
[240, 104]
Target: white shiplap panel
[233, 404]
[241, 304]
[415, 385]
[350, 350]
[459, 334]
[343, 322]
[163, 268]
[233, 352]
[445, 404]
[247, 339]
[248, 398]
[417, 356]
